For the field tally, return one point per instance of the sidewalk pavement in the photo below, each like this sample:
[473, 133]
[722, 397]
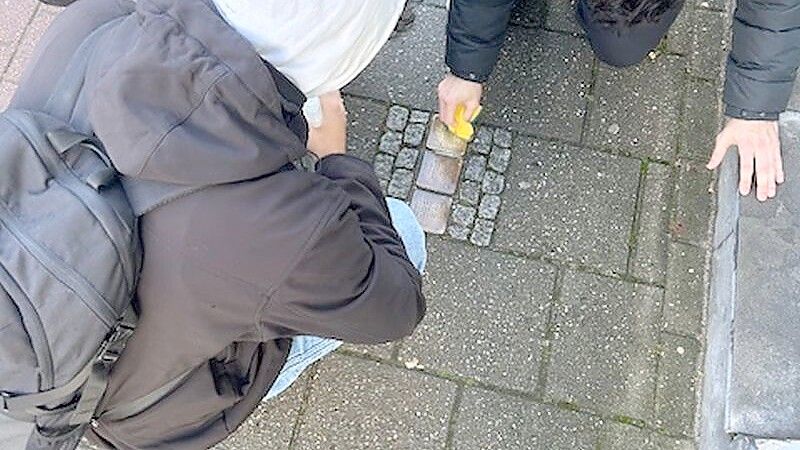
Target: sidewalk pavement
[567, 289]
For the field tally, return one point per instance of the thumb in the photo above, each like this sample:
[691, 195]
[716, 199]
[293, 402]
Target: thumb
[470, 111]
[723, 143]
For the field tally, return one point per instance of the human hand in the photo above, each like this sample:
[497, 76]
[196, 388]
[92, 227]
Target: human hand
[331, 137]
[454, 91]
[759, 151]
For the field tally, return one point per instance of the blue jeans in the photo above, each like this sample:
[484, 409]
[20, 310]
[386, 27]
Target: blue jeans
[306, 350]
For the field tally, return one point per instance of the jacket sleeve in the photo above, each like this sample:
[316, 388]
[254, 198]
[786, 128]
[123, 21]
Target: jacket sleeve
[355, 282]
[476, 30]
[765, 55]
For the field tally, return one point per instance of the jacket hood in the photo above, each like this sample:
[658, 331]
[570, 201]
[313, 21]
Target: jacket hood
[184, 99]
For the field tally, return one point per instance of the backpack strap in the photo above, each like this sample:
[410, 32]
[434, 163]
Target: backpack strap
[91, 381]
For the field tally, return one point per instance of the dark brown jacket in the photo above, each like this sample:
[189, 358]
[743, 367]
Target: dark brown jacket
[234, 271]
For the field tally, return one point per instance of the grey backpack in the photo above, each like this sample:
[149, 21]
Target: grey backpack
[70, 257]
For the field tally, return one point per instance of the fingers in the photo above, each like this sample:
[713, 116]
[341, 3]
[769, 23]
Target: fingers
[723, 143]
[746, 169]
[777, 157]
[765, 176]
[447, 112]
[470, 108]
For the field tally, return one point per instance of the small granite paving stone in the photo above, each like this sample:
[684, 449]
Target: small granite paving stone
[678, 375]
[459, 232]
[685, 294]
[650, 256]
[407, 158]
[709, 44]
[439, 173]
[341, 413]
[604, 349]
[617, 436]
[463, 216]
[410, 66]
[418, 116]
[493, 183]
[499, 159]
[489, 207]
[482, 143]
[415, 133]
[569, 203]
[502, 138]
[540, 84]
[364, 127]
[474, 167]
[637, 109]
[391, 142]
[693, 203]
[401, 183]
[469, 192]
[397, 118]
[482, 233]
[271, 424]
[384, 164]
[431, 210]
[700, 121]
[491, 331]
[492, 421]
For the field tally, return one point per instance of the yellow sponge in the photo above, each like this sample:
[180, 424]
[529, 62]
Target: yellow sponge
[463, 127]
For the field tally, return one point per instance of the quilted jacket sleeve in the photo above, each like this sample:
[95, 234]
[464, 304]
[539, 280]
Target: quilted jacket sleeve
[476, 30]
[766, 53]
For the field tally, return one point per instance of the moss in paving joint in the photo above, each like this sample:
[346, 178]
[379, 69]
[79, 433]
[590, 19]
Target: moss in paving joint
[451, 424]
[549, 335]
[637, 217]
[638, 423]
[590, 102]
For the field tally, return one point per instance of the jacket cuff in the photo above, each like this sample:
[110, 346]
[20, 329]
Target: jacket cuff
[343, 166]
[739, 113]
[755, 96]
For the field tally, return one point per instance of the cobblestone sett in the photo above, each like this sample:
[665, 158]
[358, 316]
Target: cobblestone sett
[397, 118]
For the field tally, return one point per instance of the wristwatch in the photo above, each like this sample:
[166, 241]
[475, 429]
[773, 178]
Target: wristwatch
[739, 113]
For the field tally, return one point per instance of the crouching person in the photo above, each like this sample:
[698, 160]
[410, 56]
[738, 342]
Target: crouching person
[258, 268]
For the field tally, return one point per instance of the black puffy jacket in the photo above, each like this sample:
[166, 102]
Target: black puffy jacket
[761, 67]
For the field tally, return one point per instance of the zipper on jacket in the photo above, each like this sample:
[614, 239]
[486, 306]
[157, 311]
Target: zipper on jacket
[67, 178]
[33, 325]
[68, 277]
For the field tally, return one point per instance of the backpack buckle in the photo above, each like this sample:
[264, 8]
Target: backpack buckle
[112, 350]
[4, 396]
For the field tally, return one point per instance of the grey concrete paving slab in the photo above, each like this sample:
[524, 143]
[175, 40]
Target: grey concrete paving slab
[636, 110]
[540, 84]
[41, 20]
[568, 203]
[358, 404]
[676, 389]
[365, 126]
[794, 102]
[15, 17]
[709, 44]
[685, 292]
[486, 315]
[410, 66]
[6, 93]
[272, 423]
[491, 421]
[765, 380]
[650, 253]
[693, 203]
[604, 349]
[617, 436]
[530, 13]
[701, 120]
[561, 16]
[679, 37]
[382, 351]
